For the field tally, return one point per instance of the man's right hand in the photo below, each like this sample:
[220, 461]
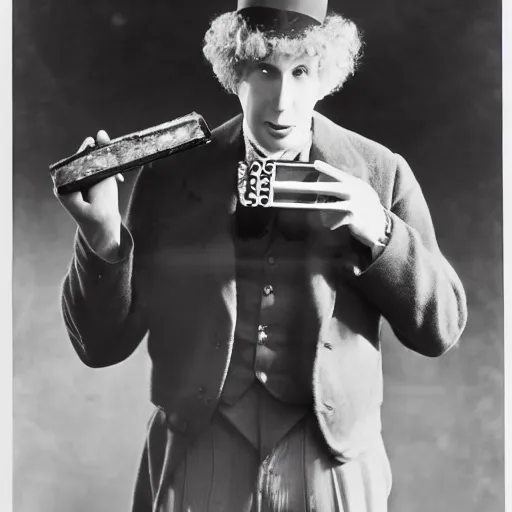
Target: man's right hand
[96, 210]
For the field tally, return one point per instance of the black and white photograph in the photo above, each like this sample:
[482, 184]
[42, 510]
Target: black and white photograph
[258, 256]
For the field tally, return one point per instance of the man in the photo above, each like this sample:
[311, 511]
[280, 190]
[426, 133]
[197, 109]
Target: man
[264, 324]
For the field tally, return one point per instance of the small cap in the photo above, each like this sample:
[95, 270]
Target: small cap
[283, 16]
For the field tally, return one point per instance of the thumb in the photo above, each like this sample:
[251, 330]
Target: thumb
[102, 138]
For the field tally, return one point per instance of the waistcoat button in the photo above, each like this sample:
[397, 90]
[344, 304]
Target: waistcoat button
[262, 377]
[262, 335]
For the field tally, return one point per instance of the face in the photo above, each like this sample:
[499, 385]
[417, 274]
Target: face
[278, 96]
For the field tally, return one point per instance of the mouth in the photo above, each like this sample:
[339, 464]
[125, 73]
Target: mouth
[278, 126]
[279, 130]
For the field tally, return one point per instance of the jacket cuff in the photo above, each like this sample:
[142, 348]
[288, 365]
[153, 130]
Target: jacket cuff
[388, 266]
[93, 264]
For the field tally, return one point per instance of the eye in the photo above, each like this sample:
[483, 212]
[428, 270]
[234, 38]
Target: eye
[300, 71]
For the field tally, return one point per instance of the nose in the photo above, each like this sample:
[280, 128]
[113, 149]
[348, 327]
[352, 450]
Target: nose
[283, 97]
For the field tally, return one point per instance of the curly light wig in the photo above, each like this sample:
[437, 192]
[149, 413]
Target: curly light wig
[229, 45]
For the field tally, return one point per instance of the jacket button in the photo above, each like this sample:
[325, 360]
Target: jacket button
[201, 395]
[271, 260]
[268, 290]
[328, 346]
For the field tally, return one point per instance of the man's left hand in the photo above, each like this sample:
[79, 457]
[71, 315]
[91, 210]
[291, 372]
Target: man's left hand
[358, 207]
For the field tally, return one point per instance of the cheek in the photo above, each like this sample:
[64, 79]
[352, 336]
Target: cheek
[315, 89]
[252, 99]
[253, 110]
[261, 92]
[308, 97]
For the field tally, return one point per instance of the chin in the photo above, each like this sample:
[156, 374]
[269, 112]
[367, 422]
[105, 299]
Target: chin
[272, 148]
[268, 144]
[272, 145]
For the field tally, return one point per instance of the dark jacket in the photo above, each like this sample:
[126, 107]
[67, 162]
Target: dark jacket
[176, 279]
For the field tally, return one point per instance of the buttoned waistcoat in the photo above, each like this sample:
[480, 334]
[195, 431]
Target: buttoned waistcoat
[175, 279]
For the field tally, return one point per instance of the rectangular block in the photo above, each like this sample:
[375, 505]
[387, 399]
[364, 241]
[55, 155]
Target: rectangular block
[86, 168]
[256, 184]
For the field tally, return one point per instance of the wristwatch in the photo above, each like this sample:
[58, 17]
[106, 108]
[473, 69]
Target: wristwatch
[384, 240]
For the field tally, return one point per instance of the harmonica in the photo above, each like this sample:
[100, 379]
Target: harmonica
[93, 164]
[257, 183]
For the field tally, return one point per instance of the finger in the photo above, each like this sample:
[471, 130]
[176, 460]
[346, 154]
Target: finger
[73, 202]
[336, 207]
[338, 223]
[102, 138]
[322, 188]
[88, 142]
[293, 205]
[335, 220]
[331, 171]
[103, 192]
[339, 206]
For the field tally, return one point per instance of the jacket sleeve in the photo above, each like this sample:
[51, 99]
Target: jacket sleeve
[411, 282]
[104, 315]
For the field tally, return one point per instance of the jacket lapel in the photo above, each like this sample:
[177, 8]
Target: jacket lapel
[211, 181]
[332, 144]
[214, 178]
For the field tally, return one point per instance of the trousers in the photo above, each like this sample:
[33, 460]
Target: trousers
[221, 471]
